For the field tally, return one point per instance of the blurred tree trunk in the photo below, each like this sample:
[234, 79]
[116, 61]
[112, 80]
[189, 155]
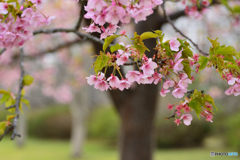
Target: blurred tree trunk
[79, 110]
[22, 127]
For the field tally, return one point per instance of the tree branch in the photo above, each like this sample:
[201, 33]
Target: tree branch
[65, 30]
[6, 132]
[56, 48]
[82, 12]
[180, 32]
[17, 105]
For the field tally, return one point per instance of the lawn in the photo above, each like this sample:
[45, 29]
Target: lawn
[37, 149]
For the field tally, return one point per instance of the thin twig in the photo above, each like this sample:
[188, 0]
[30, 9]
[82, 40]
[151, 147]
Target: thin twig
[3, 50]
[65, 30]
[6, 132]
[82, 12]
[46, 51]
[173, 115]
[17, 105]
[180, 32]
[12, 106]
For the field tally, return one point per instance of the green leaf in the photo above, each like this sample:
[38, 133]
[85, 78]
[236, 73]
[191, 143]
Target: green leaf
[230, 50]
[9, 117]
[148, 35]
[236, 9]
[210, 100]
[2, 127]
[202, 62]
[10, 102]
[4, 98]
[214, 42]
[2, 91]
[233, 66]
[101, 62]
[194, 104]
[229, 59]
[27, 80]
[115, 47]
[26, 102]
[108, 41]
[187, 68]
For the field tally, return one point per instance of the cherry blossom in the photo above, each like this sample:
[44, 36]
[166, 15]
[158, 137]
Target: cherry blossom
[174, 44]
[133, 76]
[163, 92]
[124, 84]
[187, 119]
[148, 67]
[3, 8]
[168, 83]
[114, 81]
[177, 121]
[179, 92]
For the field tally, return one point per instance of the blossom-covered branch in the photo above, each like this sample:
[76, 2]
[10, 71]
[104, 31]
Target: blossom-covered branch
[16, 106]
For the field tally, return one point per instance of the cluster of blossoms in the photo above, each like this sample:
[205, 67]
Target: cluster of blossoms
[15, 30]
[168, 63]
[182, 111]
[114, 12]
[234, 82]
[147, 73]
[192, 9]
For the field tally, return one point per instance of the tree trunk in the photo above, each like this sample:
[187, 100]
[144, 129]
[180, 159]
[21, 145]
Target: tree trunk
[137, 111]
[79, 110]
[22, 127]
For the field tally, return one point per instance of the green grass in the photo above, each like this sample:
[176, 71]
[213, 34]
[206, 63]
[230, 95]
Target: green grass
[36, 149]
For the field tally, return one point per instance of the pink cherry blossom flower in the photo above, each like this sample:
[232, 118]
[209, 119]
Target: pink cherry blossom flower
[112, 28]
[141, 14]
[157, 77]
[178, 66]
[183, 83]
[179, 92]
[163, 92]
[231, 79]
[183, 75]
[143, 79]
[205, 3]
[168, 83]
[157, 2]
[177, 121]
[122, 59]
[115, 13]
[178, 56]
[187, 119]
[170, 106]
[3, 8]
[92, 28]
[124, 84]
[114, 81]
[174, 44]
[92, 79]
[133, 76]
[97, 4]
[148, 67]
[229, 91]
[101, 85]
[209, 118]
